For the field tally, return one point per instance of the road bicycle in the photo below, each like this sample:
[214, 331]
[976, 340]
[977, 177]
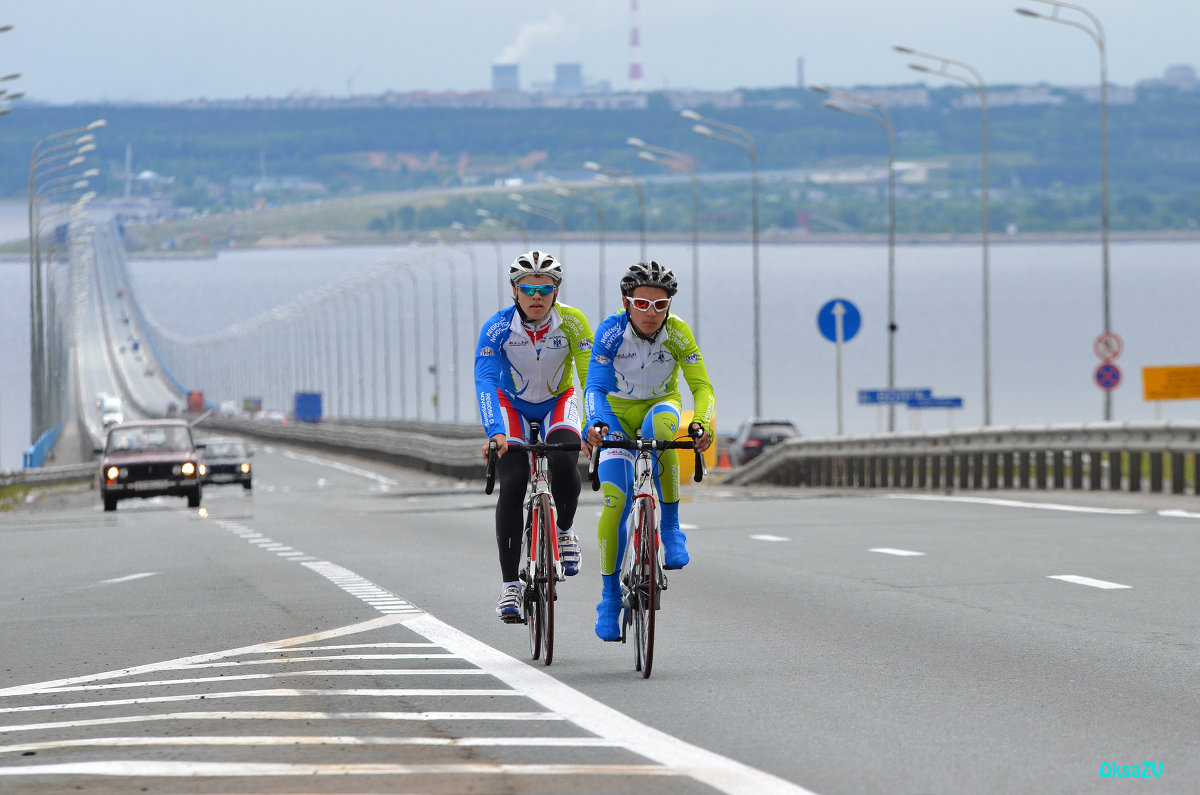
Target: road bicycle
[642, 577]
[541, 562]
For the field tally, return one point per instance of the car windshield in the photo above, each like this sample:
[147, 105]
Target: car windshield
[225, 450]
[138, 437]
[111, 404]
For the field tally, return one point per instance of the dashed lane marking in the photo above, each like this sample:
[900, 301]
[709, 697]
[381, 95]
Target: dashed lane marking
[765, 537]
[1076, 579]
[128, 578]
[1041, 506]
[899, 552]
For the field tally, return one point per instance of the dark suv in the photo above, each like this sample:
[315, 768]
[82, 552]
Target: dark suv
[149, 459]
[755, 436]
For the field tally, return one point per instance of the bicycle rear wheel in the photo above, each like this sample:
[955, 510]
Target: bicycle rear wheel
[546, 574]
[644, 582]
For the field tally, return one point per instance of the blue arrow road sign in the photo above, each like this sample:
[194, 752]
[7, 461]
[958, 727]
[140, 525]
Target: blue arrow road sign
[827, 319]
[936, 403]
[867, 397]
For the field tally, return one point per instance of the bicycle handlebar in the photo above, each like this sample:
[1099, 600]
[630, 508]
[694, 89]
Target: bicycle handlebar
[490, 473]
[639, 445]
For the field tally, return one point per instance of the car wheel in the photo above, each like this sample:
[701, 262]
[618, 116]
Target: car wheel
[247, 485]
[110, 503]
[194, 499]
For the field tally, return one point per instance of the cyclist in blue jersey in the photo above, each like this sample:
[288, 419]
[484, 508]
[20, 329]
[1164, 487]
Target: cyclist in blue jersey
[523, 372]
[632, 384]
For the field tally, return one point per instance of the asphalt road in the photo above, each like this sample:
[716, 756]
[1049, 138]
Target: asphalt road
[334, 631]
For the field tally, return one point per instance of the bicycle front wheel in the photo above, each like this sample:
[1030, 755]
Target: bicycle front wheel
[644, 582]
[546, 573]
[529, 600]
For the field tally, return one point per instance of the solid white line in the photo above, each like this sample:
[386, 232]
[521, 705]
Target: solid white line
[128, 578]
[1075, 578]
[764, 537]
[230, 769]
[1175, 513]
[307, 717]
[1044, 506]
[720, 772]
[901, 552]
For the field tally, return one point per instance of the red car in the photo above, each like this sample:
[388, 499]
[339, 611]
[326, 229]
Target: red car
[150, 458]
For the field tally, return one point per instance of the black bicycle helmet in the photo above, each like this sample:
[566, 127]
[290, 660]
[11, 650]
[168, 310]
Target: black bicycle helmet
[649, 274]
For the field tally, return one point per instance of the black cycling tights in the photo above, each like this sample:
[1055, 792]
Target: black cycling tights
[513, 473]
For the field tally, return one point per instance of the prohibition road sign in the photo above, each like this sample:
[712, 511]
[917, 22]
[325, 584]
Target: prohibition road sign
[1108, 376]
[1108, 346]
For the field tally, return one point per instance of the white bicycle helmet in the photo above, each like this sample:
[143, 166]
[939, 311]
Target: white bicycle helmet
[535, 263]
[649, 274]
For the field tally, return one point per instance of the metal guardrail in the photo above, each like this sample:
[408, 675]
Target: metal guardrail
[1154, 456]
[444, 448]
[41, 476]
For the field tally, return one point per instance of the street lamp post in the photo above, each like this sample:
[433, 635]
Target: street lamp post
[730, 134]
[606, 175]
[856, 105]
[547, 211]
[976, 82]
[1097, 36]
[591, 198]
[674, 161]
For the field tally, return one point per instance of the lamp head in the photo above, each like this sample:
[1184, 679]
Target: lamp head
[96, 125]
[592, 165]
[482, 213]
[690, 114]
[701, 129]
[1025, 12]
[638, 142]
[902, 49]
[644, 155]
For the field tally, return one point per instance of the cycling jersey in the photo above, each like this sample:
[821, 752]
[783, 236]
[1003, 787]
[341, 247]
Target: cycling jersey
[626, 368]
[529, 363]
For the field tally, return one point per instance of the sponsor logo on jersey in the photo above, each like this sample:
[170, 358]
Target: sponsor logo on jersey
[627, 355]
[517, 342]
[556, 343]
[496, 330]
[602, 359]
[662, 357]
[486, 352]
[692, 358]
[585, 345]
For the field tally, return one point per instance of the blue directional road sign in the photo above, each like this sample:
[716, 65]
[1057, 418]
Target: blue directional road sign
[867, 397]
[936, 403]
[827, 320]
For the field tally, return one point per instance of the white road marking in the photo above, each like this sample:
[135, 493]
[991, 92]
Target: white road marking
[307, 717]
[235, 769]
[128, 578]
[1075, 578]
[901, 552]
[1044, 506]
[281, 675]
[765, 537]
[341, 467]
[305, 739]
[1178, 514]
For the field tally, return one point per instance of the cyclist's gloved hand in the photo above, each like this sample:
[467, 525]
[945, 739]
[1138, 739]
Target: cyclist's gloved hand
[596, 433]
[703, 437]
[501, 445]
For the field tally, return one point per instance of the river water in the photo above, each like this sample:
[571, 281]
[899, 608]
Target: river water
[1045, 314]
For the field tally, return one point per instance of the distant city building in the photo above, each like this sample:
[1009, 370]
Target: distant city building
[505, 79]
[1179, 77]
[568, 79]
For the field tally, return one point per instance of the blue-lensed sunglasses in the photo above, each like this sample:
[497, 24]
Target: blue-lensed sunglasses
[537, 289]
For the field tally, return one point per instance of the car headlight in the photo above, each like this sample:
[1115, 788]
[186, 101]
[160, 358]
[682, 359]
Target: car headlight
[112, 473]
[203, 469]
[188, 468]
[245, 468]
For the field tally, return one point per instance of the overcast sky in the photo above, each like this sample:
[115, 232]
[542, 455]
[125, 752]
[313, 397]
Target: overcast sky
[147, 50]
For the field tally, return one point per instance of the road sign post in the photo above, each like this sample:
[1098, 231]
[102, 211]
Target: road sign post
[839, 321]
